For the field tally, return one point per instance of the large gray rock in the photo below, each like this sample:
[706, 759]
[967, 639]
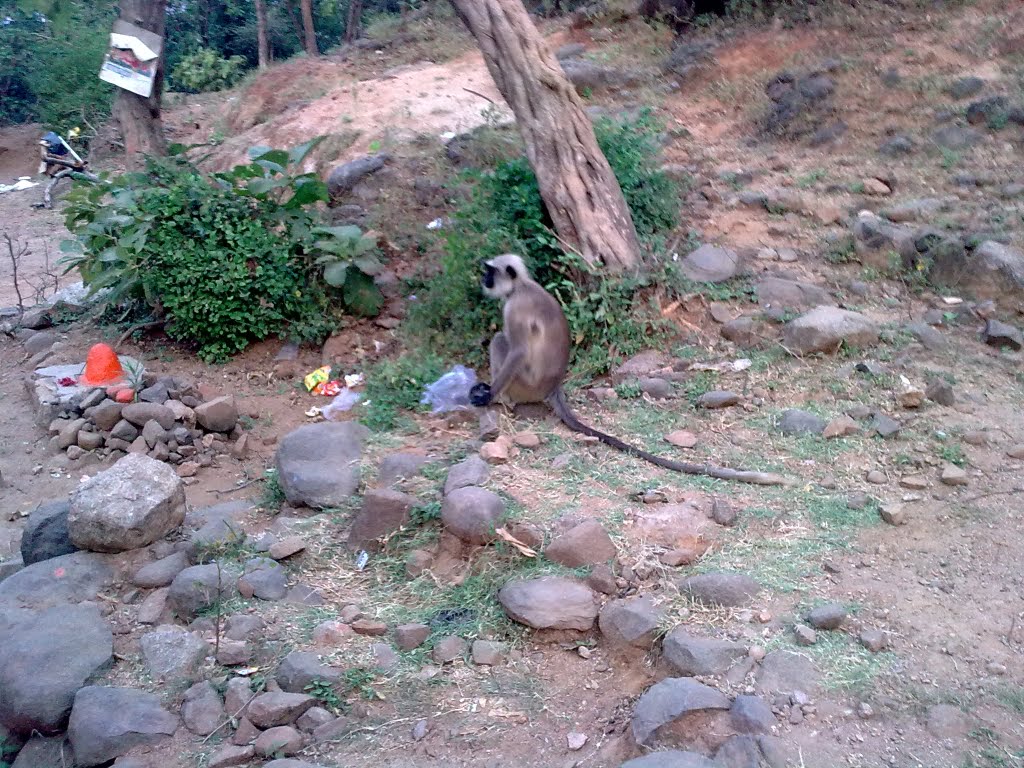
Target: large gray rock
[585, 544]
[42, 752]
[788, 295]
[44, 659]
[202, 710]
[630, 623]
[130, 505]
[161, 572]
[63, 580]
[711, 264]
[384, 511]
[750, 714]
[670, 758]
[549, 602]
[344, 177]
[217, 415]
[108, 722]
[172, 653]
[318, 464]
[397, 467]
[824, 329]
[470, 471]
[139, 413]
[196, 588]
[993, 271]
[786, 671]
[720, 588]
[667, 701]
[269, 710]
[690, 655]
[796, 422]
[300, 668]
[46, 533]
[472, 514]
[264, 578]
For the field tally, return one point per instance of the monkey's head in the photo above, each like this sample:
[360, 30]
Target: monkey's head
[502, 275]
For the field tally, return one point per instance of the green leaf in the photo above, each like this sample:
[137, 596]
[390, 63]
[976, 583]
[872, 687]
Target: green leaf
[371, 265]
[270, 165]
[262, 186]
[70, 246]
[335, 273]
[276, 156]
[346, 231]
[298, 154]
[362, 296]
[258, 151]
[306, 192]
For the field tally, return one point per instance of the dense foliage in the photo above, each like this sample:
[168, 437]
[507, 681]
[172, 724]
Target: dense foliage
[222, 259]
[205, 70]
[506, 213]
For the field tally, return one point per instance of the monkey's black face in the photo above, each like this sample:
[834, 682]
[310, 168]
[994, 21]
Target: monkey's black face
[488, 278]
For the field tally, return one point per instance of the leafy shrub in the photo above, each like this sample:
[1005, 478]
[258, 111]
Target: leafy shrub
[205, 70]
[505, 212]
[222, 259]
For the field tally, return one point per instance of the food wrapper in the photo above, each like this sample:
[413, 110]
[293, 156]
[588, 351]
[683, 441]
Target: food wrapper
[319, 376]
[328, 388]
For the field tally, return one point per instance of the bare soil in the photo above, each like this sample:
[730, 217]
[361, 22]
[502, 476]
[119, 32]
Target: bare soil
[946, 587]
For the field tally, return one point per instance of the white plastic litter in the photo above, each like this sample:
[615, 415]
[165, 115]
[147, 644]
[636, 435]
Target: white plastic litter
[343, 401]
[451, 391]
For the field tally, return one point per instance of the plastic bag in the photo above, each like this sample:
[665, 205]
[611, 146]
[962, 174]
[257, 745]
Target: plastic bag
[343, 402]
[451, 391]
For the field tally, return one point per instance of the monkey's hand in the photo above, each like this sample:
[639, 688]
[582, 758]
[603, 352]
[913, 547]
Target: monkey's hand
[480, 394]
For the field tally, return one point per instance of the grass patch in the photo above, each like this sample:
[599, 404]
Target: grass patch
[396, 385]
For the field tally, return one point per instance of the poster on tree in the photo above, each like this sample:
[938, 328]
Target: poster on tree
[132, 58]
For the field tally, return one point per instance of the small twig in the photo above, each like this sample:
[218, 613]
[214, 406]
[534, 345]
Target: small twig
[986, 495]
[15, 260]
[246, 484]
[232, 717]
[139, 327]
[481, 95]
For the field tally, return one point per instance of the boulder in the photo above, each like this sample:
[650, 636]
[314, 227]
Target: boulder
[669, 700]
[264, 578]
[797, 422]
[472, 514]
[42, 752]
[471, 471]
[786, 671]
[46, 533]
[824, 329]
[130, 505]
[269, 710]
[318, 464]
[161, 572]
[711, 264]
[630, 623]
[109, 722]
[202, 710]
[776, 293]
[300, 668]
[993, 271]
[585, 544]
[720, 588]
[197, 588]
[63, 580]
[752, 715]
[139, 413]
[45, 658]
[690, 655]
[397, 467]
[384, 511]
[549, 602]
[172, 653]
[671, 758]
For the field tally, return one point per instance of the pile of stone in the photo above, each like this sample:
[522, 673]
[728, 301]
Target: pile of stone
[169, 422]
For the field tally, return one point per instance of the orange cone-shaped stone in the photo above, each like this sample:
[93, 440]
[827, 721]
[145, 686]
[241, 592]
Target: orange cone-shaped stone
[101, 367]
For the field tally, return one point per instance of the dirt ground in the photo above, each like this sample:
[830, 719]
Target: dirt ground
[947, 586]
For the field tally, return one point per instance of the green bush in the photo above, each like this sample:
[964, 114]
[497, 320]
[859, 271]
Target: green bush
[205, 70]
[505, 212]
[223, 260]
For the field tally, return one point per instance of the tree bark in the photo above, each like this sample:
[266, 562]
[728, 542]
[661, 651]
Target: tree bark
[262, 40]
[352, 22]
[138, 117]
[580, 191]
[308, 30]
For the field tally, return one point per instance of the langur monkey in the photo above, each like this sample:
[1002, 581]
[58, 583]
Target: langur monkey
[530, 358]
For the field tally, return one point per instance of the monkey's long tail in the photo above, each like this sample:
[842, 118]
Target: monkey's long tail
[571, 420]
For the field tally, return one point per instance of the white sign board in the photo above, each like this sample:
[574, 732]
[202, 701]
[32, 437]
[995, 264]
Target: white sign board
[132, 58]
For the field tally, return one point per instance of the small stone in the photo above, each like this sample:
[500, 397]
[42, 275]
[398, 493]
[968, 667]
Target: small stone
[245, 734]
[830, 616]
[416, 562]
[419, 731]
[885, 426]
[910, 396]
[243, 626]
[281, 740]
[202, 710]
[448, 649]
[331, 633]
[585, 544]
[576, 741]
[976, 437]
[490, 428]
[894, 514]
[277, 708]
[876, 477]
[681, 438]
[805, 635]
[602, 579]
[751, 715]
[797, 422]
[411, 636]
[471, 471]
[526, 440]
[472, 514]
[953, 475]
[172, 653]
[720, 588]
[674, 558]
[496, 452]
[233, 653]
[724, 513]
[286, 547]
[370, 627]
[876, 187]
[264, 579]
[313, 718]
[384, 656]
[999, 334]
[1016, 452]
[487, 653]
[549, 602]
[914, 482]
[230, 755]
[874, 640]
[842, 426]
[630, 623]
[718, 399]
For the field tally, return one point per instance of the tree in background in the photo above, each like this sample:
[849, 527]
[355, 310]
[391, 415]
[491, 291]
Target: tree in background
[308, 29]
[353, 20]
[580, 191]
[138, 117]
[263, 42]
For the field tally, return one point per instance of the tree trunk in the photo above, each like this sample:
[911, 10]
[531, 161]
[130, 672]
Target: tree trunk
[308, 30]
[352, 25]
[579, 189]
[262, 40]
[138, 117]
